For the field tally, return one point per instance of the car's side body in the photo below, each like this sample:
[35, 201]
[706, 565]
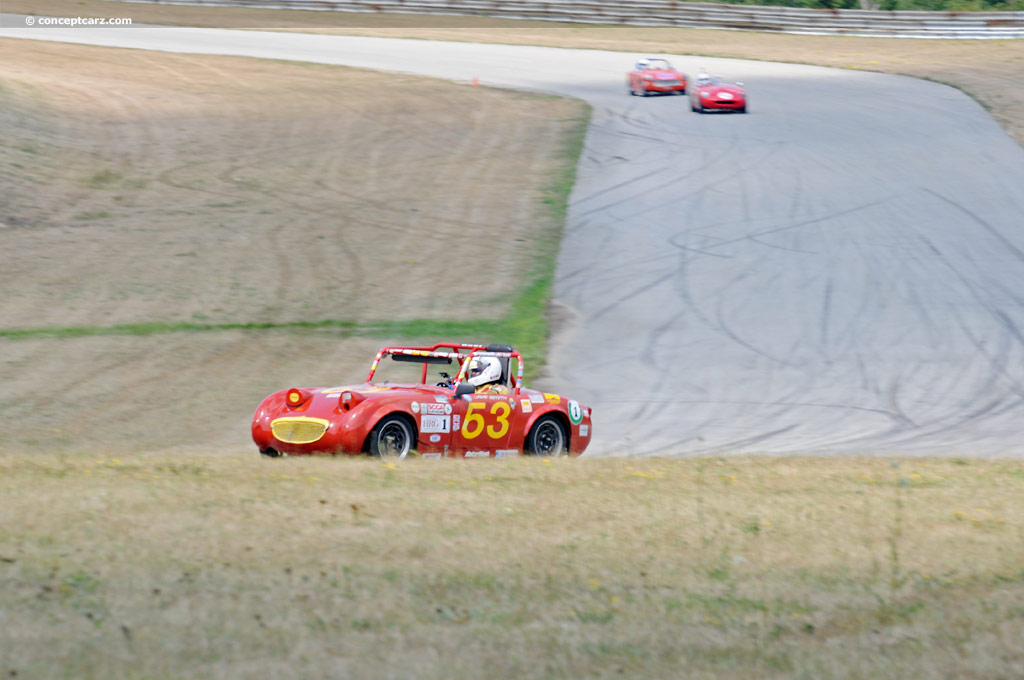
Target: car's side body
[442, 419]
[712, 94]
[655, 76]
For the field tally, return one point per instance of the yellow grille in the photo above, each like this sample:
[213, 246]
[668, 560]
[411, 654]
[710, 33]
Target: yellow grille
[299, 430]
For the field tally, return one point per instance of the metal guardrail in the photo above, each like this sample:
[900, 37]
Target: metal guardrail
[907, 24]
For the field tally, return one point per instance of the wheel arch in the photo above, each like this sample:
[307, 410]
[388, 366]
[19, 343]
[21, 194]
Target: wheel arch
[381, 415]
[563, 419]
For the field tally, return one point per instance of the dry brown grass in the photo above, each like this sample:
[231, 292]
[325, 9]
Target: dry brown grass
[144, 566]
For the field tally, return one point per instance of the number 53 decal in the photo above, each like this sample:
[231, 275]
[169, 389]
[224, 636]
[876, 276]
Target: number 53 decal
[474, 424]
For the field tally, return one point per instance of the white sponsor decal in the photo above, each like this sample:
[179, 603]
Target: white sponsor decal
[527, 406]
[584, 429]
[456, 422]
[415, 407]
[478, 454]
[447, 409]
[431, 456]
[537, 398]
[432, 408]
[435, 424]
[506, 453]
[441, 400]
[435, 438]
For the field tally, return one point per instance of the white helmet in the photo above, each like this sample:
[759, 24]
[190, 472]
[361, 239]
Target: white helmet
[483, 370]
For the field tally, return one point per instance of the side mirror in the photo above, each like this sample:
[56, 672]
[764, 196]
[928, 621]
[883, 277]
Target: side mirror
[464, 388]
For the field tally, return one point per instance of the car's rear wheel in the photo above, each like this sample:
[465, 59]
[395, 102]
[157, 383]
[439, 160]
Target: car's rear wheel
[392, 437]
[547, 438]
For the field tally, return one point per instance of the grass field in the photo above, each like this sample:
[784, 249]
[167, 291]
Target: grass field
[160, 216]
[189, 566]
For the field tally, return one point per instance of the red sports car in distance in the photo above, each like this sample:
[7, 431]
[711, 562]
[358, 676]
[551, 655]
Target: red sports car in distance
[711, 93]
[655, 76]
[482, 411]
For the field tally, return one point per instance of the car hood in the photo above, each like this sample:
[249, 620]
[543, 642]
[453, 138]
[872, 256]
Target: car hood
[663, 74]
[329, 397]
[717, 89]
[371, 390]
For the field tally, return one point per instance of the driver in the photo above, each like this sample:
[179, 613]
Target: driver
[484, 373]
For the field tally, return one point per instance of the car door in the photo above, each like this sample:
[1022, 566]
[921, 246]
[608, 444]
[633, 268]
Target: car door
[482, 424]
[433, 423]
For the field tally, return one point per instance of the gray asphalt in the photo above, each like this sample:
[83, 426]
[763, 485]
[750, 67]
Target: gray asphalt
[839, 271]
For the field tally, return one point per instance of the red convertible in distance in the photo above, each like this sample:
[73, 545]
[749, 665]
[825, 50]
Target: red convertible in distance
[655, 76]
[711, 93]
[441, 418]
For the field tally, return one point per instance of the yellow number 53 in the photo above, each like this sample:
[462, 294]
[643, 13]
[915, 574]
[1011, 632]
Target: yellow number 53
[474, 424]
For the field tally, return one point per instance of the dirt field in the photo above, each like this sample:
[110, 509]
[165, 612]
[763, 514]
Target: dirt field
[176, 190]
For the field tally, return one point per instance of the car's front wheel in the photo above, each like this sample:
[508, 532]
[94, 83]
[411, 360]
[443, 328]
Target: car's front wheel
[547, 438]
[392, 437]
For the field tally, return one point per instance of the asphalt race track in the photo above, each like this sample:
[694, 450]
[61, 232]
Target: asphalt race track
[839, 271]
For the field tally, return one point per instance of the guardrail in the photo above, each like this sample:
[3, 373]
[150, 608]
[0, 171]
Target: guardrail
[907, 24]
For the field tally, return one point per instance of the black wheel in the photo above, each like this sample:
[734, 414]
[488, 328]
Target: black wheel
[270, 453]
[632, 90]
[392, 437]
[547, 438]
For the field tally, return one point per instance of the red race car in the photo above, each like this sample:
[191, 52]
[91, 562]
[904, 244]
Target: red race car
[711, 93]
[484, 411]
[654, 76]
